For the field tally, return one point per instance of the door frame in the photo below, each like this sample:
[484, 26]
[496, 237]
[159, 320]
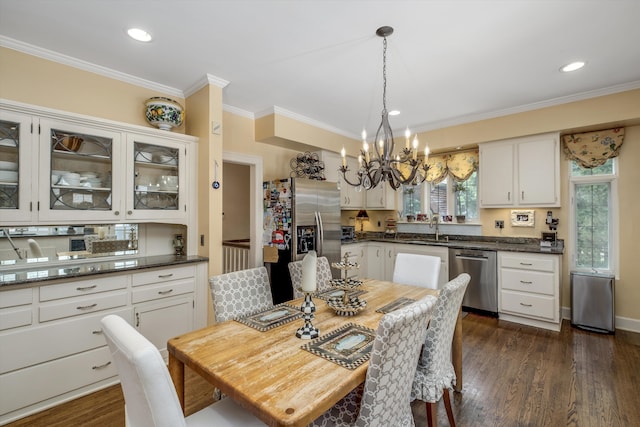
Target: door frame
[255, 201]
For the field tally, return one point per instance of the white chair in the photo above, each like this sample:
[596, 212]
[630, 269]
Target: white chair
[384, 398]
[150, 397]
[240, 293]
[323, 276]
[435, 374]
[417, 270]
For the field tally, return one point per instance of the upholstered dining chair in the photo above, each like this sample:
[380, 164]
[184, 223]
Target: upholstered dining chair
[150, 397]
[383, 400]
[417, 270]
[240, 293]
[323, 275]
[435, 375]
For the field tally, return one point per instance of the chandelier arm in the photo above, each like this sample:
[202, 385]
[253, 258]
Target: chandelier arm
[344, 169]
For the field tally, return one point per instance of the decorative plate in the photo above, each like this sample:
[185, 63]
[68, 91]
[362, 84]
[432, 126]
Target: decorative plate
[346, 284]
[345, 265]
[353, 307]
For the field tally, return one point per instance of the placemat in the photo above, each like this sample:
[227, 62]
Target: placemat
[394, 305]
[272, 318]
[349, 346]
[332, 293]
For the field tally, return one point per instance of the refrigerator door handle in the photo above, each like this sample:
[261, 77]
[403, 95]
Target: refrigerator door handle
[320, 233]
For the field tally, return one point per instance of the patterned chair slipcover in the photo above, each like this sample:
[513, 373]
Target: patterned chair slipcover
[240, 293]
[323, 276]
[384, 399]
[435, 375]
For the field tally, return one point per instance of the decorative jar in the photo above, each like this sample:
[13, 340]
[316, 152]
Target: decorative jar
[165, 113]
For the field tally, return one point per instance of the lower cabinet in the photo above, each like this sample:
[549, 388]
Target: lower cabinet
[529, 289]
[51, 344]
[356, 253]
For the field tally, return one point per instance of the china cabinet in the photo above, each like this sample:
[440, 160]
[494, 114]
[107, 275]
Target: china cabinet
[65, 168]
[16, 168]
[520, 172]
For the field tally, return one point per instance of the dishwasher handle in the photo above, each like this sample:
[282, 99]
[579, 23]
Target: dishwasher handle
[472, 257]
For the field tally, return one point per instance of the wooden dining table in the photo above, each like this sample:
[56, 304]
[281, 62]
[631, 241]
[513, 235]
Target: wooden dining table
[268, 372]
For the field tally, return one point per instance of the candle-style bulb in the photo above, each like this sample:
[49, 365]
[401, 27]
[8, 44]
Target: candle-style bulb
[407, 135]
[415, 142]
[364, 135]
[344, 158]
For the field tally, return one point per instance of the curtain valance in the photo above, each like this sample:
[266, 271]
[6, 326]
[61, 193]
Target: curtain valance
[593, 149]
[459, 165]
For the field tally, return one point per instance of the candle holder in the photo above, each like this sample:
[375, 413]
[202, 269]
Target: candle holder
[308, 331]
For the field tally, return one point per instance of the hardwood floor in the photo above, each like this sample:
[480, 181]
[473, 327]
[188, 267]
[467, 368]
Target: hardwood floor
[513, 376]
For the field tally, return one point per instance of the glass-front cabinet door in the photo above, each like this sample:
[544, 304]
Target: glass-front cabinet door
[81, 173]
[158, 178]
[18, 158]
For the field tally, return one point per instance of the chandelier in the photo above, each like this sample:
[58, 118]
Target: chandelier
[383, 165]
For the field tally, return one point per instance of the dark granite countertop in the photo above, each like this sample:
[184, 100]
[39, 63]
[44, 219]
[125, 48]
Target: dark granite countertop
[508, 244]
[35, 275]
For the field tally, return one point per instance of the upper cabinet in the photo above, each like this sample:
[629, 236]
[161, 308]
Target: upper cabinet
[520, 172]
[16, 168]
[382, 197]
[350, 196]
[64, 168]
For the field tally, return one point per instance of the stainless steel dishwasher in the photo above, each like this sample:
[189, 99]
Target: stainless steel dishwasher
[481, 265]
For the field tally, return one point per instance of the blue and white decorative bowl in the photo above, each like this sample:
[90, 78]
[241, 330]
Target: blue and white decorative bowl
[164, 113]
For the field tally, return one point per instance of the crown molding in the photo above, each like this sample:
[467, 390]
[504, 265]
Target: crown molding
[87, 66]
[610, 90]
[206, 80]
[304, 119]
[238, 111]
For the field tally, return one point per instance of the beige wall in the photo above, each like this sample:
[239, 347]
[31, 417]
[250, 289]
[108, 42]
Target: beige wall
[28, 79]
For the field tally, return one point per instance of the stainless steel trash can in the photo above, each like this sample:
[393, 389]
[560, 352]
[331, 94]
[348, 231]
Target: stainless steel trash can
[592, 301]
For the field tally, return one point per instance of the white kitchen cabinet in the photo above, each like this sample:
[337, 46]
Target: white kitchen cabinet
[116, 172]
[350, 196]
[529, 289]
[51, 344]
[375, 261]
[441, 252]
[382, 197]
[522, 172]
[18, 155]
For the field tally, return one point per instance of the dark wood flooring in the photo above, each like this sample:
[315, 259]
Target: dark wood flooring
[513, 376]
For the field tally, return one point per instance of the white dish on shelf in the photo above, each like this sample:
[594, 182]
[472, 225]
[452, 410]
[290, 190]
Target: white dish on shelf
[8, 166]
[8, 176]
[144, 156]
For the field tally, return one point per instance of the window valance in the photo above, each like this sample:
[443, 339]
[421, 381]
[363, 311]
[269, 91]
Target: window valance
[593, 149]
[459, 165]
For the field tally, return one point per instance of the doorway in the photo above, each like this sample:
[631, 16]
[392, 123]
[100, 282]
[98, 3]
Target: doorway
[242, 205]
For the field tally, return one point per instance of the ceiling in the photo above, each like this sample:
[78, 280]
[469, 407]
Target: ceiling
[448, 62]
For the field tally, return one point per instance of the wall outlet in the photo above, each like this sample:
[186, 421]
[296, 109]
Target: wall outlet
[499, 224]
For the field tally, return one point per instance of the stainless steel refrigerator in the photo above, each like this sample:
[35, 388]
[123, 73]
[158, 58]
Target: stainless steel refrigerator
[300, 215]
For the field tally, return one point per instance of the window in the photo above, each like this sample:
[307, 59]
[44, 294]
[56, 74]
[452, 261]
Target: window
[594, 208]
[443, 198]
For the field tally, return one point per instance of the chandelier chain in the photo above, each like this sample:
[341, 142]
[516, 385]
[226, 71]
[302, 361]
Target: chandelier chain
[384, 73]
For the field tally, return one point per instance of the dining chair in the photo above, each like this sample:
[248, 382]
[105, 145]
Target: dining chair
[417, 270]
[150, 397]
[383, 400]
[240, 293]
[323, 276]
[435, 375]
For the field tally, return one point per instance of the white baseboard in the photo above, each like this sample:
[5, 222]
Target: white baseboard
[623, 323]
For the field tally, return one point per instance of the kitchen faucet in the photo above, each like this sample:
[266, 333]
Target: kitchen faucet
[15, 248]
[434, 219]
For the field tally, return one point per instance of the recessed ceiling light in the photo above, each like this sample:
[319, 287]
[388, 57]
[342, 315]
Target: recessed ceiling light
[138, 34]
[394, 112]
[572, 66]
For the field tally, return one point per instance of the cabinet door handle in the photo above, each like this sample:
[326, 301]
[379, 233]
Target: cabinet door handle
[526, 263]
[165, 292]
[86, 307]
[116, 213]
[377, 253]
[523, 195]
[97, 332]
[524, 282]
[526, 305]
[137, 319]
[509, 195]
[101, 366]
[129, 212]
[86, 288]
[164, 276]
